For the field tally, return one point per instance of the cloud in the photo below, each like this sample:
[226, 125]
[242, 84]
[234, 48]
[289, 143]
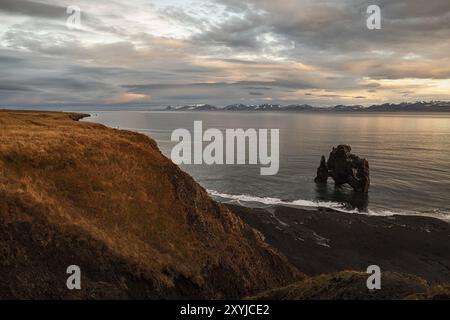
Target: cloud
[33, 9]
[281, 83]
[127, 98]
[256, 93]
[13, 87]
[222, 51]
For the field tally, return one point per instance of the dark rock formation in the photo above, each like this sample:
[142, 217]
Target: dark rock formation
[345, 167]
[322, 171]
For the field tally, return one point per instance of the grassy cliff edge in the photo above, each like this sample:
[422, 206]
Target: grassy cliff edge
[107, 200]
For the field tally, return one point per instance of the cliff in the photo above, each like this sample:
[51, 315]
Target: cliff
[78, 193]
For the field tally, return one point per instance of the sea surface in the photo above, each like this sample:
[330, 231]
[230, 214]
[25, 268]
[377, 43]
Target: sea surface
[409, 156]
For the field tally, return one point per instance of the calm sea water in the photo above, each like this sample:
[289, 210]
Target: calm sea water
[409, 156]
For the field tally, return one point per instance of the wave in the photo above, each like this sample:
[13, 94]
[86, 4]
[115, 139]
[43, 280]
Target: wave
[276, 201]
[301, 203]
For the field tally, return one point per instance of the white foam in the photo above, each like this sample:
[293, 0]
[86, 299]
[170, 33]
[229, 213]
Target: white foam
[276, 201]
[341, 207]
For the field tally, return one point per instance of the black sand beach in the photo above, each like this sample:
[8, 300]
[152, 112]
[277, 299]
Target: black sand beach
[325, 241]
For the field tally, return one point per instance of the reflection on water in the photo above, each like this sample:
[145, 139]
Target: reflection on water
[343, 194]
[408, 155]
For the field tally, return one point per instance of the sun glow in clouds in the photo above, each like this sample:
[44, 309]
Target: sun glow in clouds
[218, 52]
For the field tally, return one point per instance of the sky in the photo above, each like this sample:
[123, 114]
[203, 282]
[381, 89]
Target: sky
[144, 53]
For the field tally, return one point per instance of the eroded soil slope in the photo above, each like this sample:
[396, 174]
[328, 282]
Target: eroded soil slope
[107, 200]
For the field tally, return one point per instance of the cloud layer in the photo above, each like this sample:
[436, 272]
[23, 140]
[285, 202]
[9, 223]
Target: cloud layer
[161, 52]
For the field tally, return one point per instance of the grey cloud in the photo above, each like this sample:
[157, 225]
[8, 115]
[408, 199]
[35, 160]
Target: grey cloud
[13, 87]
[236, 32]
[253, 41]
[80, 84]
[326, 28]
[407, 9]
[247, 62]
[194, 69]
[10, 60]
[257, 88]
[284, 83]
[32, 8]
[173, 13]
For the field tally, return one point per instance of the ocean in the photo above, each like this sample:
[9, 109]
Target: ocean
[409, 156]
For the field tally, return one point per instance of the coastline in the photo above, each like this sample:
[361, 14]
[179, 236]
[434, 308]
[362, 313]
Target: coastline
[400, 181]
[109, 202]
[303, 204]
[326, 241]
[144, 229]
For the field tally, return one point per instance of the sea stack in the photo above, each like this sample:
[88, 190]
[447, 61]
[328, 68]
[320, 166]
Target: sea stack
[345, 167]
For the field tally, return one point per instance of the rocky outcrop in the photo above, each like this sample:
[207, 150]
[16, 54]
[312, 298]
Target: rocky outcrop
[322, 171]
[345, 168]
[78, 193]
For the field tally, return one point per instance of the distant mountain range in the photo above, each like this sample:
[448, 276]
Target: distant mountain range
[432, 106]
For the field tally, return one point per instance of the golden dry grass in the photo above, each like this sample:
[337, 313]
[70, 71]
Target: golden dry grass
[110, 200]
[351, 285]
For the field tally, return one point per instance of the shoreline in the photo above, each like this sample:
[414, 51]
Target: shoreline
[127, 221]
[387, 200]
[241, 200]
[326, 241]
